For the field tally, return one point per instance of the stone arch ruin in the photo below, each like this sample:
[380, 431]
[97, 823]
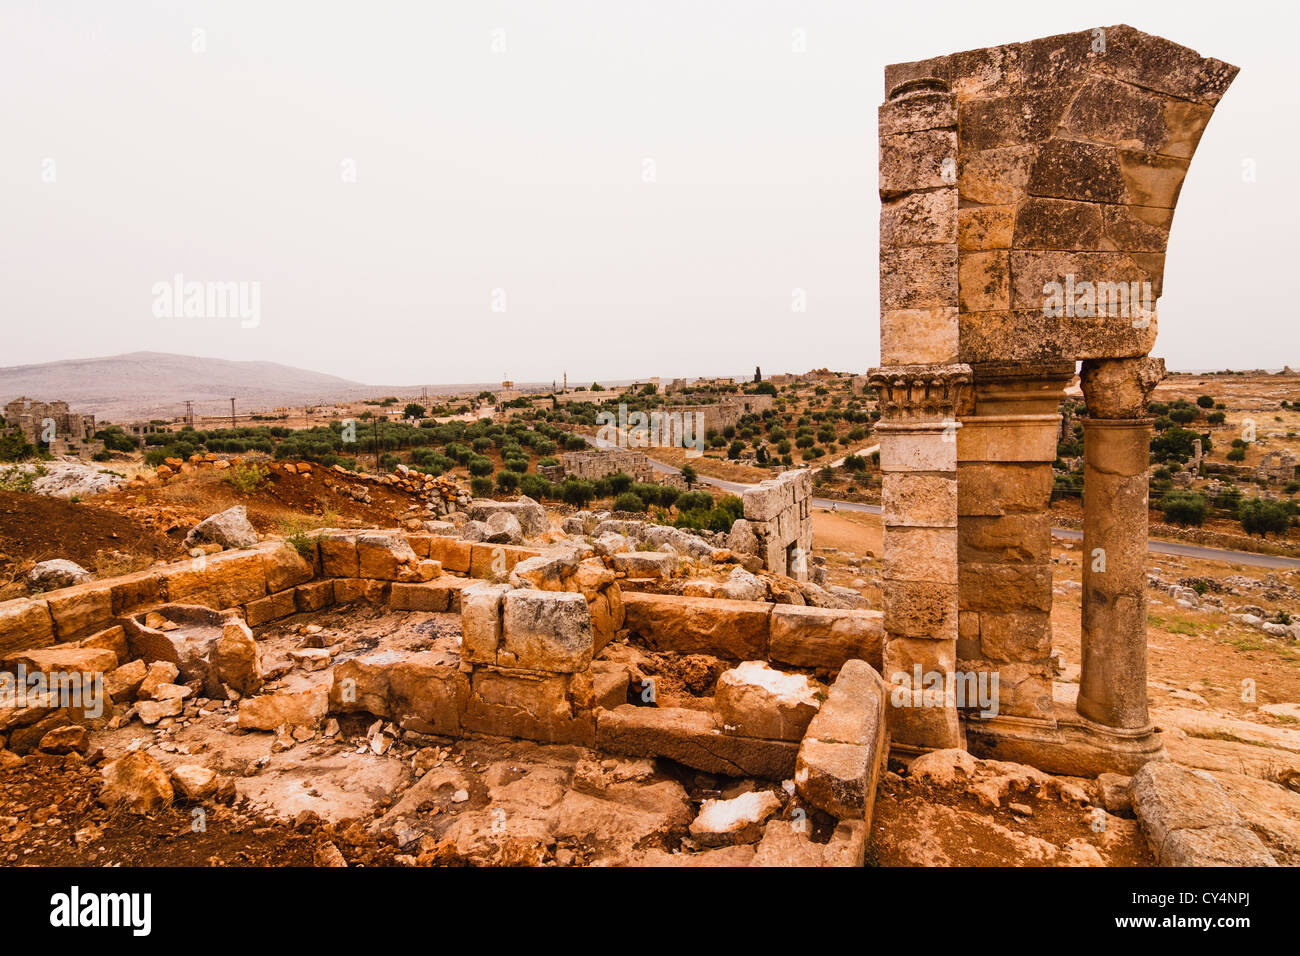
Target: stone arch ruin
[1027, 193]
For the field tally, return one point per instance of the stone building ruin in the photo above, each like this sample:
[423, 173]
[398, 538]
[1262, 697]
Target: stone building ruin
[35, 421]
[1027, 193]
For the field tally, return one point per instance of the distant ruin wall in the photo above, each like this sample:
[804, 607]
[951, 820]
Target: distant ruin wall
[779, 513]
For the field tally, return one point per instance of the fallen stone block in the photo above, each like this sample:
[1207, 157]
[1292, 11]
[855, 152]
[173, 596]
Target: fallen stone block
[825, 638]
[738, 820]
[303, 708]
[1189, 820]
[419, 692]
[137, 782]
[691, 737]
[736, 630]
[645, 564]
[754, 700]
[840, 756]
[552, 708]
[230, 529]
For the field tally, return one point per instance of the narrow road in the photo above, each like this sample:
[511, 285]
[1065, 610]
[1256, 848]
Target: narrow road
[1155, 546]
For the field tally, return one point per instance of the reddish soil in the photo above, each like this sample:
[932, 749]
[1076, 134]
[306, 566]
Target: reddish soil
[46, 801]
[35, 528]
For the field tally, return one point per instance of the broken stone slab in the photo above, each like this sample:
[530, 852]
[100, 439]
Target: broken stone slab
[236, 659]
[734, 821]
[805, 636]
[422, 692]
[302, 708]
[528, 513]
[230, 529]
[188, 644]
[64, 659]
[1189, 820]
[691, 737]
[735, 630]
[755, 700]
[840, 756]
[193, 782]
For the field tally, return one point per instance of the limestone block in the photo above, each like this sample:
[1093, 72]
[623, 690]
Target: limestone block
[313, 596]
[918, 451]
[980, 228]
[736, 630]
[545, 631]
[270, 608]
[338, 555]
[480, 622]
[645, 564]
[755, 700]
[919, 336]
[919, 500]
[918, 277]
[923, 111]
[80, 608]
[692, 738]
[452, 553]
[839, 759]
[285, 708]
[223, 580]
[995, 176]
[920, 554]
[286, 568]
[921, 218]
[824, 638]
[984, 281]
[919, 608]
[24, 624]
[553, 708]
[916, 160]
[1000, 489]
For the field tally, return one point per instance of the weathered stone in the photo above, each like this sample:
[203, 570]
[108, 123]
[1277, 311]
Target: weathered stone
[193, 783]
[692, 738]
[754, 700]
[645, 564]
[230, 529]
[302, 708]
[56, 573]
[236, 658]
[136, 782]
[545, 630]
[825, 638]
[738, 820]
[737, 630]
[25, 624]
[840, 756]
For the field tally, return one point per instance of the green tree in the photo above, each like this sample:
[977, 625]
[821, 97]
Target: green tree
[1183, 508]
[1260, 516]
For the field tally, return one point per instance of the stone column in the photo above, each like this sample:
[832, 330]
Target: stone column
[921, 386]
[1117, 442]
[1005, 452]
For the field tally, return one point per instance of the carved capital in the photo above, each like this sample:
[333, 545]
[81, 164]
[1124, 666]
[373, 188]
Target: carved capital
[1120, 388]
[921, 393]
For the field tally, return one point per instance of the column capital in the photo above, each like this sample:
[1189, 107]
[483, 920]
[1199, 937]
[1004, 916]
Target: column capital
[1120, 388]
[921, 393]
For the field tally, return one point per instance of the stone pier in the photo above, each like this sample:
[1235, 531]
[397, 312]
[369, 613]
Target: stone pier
[1027, 193]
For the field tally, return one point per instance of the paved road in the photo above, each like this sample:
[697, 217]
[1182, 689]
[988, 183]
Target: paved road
[1069, 534]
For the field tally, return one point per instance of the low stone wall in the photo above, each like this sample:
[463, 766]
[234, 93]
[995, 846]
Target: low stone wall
[778, 512]
[820, 639]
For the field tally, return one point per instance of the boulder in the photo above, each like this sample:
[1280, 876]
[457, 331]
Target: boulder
[137, 782]
[546, 631]
[58, 573]
[741, 538]
[230, 529]
[156, 675]
[193, 783]
[742, 586]
[503, 528]
[72, 738]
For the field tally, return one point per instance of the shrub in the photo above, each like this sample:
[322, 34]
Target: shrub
[1260, 516]
[507, 481]
[247, 477]
[481, 487]
[480, 467]
[1205, 401]
[628, 501]
[1183, 508]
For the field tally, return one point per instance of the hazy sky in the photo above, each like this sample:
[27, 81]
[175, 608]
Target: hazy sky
[516, 176]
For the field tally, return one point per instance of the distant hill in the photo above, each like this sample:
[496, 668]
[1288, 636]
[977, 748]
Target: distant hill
[157, 385]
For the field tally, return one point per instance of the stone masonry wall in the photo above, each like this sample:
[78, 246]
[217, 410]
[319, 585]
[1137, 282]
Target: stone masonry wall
[779, 512]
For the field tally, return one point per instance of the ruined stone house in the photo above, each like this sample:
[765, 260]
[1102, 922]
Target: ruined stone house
[52, 423]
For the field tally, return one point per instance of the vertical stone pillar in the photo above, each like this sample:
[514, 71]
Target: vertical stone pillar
[1005, 452]
[921, 388]
[1116, 449]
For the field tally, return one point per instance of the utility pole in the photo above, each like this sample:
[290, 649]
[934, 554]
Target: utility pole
[233, 421]
[189, 413]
